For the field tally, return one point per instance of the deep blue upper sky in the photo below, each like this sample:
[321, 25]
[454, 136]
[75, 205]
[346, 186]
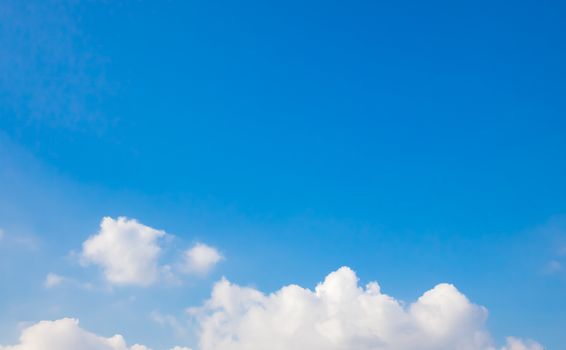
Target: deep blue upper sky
[416, 141]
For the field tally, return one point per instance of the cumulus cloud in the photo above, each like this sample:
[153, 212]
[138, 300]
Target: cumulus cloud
[128, 253]
[340, 315]
[126, 250]
[65, 334]
[337, 315]
[200, 259]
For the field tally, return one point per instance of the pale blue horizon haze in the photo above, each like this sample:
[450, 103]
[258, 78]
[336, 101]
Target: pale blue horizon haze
[272, 143]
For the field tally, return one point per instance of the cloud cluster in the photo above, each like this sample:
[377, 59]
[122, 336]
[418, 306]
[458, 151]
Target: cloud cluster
[128, 253]
[337, 315]
[341, 315]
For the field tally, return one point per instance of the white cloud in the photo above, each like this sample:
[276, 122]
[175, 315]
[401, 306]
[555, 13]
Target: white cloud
[65, 334]
[517, 344]
[128, 253]
[340, 315]
[126, 250]
[200, 259]
[337, 315]
[53, 280]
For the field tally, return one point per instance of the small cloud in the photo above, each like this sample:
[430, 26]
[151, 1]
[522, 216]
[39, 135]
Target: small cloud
[53, 280]
[126, 250]
[200, 259]
[66, 334]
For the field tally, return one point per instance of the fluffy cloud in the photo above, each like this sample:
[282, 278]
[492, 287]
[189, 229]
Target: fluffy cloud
[340, 315]
[337, 315]
[126, 250]
[200, 259]
[65, 334]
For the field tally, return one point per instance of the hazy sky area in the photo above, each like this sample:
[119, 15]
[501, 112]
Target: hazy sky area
[253, 175]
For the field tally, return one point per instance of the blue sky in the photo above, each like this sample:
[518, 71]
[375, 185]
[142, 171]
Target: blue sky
[415, 142]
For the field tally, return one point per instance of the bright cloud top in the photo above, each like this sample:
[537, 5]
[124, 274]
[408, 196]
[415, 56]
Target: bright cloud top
[340, 315]
[200, 259]
[337, 315]
[126, 250]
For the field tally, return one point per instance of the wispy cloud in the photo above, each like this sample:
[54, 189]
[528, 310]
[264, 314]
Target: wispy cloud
[48, 72]
[553, 266]
[170, 321]
[53, 280]
[554, 232]
[25, 241]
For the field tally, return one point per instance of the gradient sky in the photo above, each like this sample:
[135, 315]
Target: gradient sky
[416, 142]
